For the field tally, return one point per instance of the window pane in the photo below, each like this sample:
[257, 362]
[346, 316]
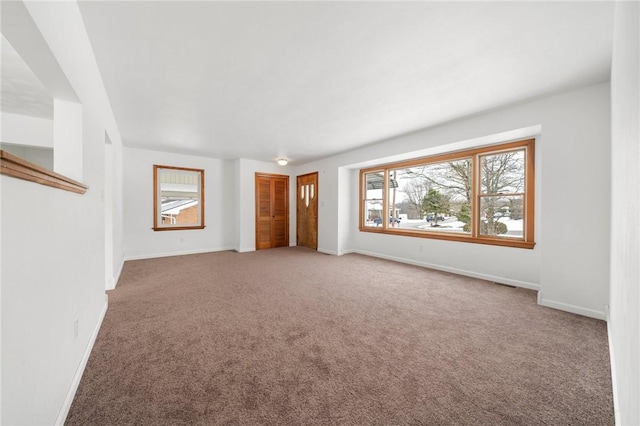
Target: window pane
[434, 197]
[179, 195]
[501, 216]
[179, 198]
[372, 213]
[373, 190]
[374, 184]
[502, 173]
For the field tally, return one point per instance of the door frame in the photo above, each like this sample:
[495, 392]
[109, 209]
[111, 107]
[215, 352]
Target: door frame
[316, 204]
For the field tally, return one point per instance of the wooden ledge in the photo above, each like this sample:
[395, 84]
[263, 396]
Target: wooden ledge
[14, 166]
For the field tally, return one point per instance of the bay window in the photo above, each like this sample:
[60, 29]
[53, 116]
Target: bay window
[481, 195]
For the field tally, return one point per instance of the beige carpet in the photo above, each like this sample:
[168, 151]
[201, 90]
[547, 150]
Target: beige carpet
[293, 337]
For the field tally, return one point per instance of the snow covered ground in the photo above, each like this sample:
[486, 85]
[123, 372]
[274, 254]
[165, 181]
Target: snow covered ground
[451, 224]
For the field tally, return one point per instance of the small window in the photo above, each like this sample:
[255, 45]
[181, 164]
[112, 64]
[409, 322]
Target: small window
[178, 198]
[373, 202]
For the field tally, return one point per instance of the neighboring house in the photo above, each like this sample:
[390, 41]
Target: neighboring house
[179, 212]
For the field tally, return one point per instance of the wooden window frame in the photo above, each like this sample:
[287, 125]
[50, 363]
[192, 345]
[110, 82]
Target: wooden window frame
[526, 242]
[157, 224]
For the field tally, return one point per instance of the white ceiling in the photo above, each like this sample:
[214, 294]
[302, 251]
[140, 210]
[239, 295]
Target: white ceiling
[307, 80]
[22, 92]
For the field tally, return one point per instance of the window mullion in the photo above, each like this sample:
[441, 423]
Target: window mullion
[385, 199]
[475, 190]
[528, 208]
[363, 197]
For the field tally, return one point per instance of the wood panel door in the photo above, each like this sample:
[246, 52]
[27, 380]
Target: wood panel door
[307, 211]
[272, 211]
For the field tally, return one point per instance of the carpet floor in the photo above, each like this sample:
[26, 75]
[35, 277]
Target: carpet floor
[290, 336]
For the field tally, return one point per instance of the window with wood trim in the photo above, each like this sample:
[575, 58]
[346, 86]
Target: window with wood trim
[178, 198]
[483, 195]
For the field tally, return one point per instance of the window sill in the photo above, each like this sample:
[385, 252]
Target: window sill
[16, 167]
[459, 238]
[178, 228]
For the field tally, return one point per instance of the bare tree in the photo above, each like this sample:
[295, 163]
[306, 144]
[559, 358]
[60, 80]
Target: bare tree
[416, 190]
[501, 174]
[452, 178]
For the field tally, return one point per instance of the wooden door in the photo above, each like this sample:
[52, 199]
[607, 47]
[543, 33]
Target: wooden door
[307, 211]
[272, 211]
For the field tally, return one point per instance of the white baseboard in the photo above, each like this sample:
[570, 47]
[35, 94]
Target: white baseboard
[614, 380]
[325, 251]
[335, 253]
[177, 253]
[71, 393]
[487, 277]
[570, 308]
[244, 249]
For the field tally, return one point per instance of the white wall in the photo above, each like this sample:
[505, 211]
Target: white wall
[62, 27]
[23, 130]
[107, 195]
[624, 321]
[229, 205]
[29, 138]
[67, 138]
[53, 261]
[576, 182]
[141, 241]
[569, 264]
[42, 157]
[237, 205]
[117, 215]
[52, 275]
[347, 201]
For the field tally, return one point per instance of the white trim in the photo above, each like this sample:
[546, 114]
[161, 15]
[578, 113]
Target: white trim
[348, 251]
[244, 249]
[457, 271]
[571, 308]
[71, 393]
[113, 281]
[177, 253]
[612, 362]
[117, 277]
[110, 284]
[325, 251]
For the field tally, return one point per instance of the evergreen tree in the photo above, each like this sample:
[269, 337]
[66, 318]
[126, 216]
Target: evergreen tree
[436, 203]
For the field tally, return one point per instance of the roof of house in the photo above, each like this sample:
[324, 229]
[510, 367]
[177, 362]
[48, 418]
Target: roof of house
[176, 206]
